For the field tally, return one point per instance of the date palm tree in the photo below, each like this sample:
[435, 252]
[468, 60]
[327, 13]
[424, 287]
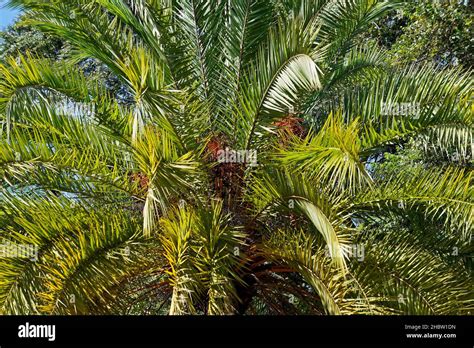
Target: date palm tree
[237, 177]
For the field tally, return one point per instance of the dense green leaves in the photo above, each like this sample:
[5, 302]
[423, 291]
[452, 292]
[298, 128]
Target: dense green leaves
[243, 173]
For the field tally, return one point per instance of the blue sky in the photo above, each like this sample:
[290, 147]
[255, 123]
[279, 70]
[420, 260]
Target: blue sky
[7, 15]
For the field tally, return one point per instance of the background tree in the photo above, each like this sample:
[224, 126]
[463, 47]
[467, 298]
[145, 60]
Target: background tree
[19, 39]
[424, 31]
[22, 38]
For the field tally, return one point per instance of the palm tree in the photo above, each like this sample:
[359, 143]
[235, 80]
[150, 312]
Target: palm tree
[239, 179]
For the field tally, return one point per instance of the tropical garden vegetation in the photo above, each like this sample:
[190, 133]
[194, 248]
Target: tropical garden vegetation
[232, 157]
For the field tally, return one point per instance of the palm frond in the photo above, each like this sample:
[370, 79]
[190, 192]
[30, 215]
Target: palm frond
[444, 195]
[284, 68]
[296, 194]
[331, 156]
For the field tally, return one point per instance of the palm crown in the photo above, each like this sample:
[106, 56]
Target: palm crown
[238, 180]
